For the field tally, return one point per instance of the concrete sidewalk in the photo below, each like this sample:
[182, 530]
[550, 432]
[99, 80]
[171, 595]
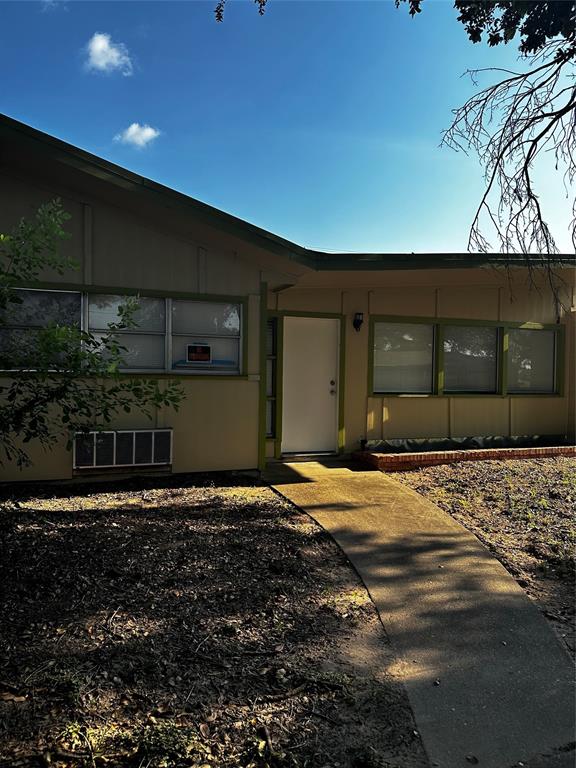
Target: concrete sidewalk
[487, 679]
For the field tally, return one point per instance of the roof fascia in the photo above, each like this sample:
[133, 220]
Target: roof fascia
[97, 167]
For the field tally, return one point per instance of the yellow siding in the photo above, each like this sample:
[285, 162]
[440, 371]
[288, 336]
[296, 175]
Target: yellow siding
[216, 427]
[415, 417]
[539, 415]
[310, 300]
[474, 416]
[474, 303]
[407, 301]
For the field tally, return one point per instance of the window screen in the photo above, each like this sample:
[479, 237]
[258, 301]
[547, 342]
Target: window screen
[23, 322]
[531, 360]
[403, 357]
[214, 328]
[470, 359]
[145, 342]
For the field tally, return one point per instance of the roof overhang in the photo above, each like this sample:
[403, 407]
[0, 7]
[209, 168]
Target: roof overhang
[59, 151]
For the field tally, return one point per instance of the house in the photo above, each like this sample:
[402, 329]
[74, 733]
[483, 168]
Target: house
[281, 349]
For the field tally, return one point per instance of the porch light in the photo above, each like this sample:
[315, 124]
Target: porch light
[358, 320]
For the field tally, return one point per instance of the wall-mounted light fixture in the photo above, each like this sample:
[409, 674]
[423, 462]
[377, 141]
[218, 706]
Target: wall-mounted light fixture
[358, 320]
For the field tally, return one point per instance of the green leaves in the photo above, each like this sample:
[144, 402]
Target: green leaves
[64, 379]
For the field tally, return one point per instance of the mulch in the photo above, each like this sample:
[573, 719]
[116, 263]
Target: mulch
[198, 622]
[524, 511]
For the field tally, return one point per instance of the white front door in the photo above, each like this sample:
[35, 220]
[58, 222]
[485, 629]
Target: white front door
[310, 385]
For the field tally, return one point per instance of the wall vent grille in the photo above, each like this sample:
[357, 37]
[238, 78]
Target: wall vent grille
[122, 448]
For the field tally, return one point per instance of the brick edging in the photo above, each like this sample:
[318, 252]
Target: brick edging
[393, 462]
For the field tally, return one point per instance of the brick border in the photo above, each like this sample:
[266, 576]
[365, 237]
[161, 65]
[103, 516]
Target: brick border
[394, 462]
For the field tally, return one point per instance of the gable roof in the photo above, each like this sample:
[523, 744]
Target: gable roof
[92, 165]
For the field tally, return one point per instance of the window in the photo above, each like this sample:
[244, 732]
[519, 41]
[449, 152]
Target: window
[406, 358]
[271, 373]
[206, 335]
[144, 343]
[531, 360]
[21, 323]
[167, 335]
[470, 358]
[403, 357]
[122, 448]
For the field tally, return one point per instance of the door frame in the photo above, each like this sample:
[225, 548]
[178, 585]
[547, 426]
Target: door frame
[280, 315]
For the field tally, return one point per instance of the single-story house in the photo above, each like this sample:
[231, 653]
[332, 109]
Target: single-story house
[284, 350]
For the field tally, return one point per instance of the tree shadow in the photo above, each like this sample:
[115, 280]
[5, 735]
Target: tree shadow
[147, 606]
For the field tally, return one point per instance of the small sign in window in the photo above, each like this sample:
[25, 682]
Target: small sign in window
[199, 353]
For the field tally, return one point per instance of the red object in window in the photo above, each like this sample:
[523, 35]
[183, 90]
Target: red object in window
[199, 353]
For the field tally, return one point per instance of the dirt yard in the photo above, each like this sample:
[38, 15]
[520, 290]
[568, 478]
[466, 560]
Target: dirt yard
[525, 513]
[199, 624]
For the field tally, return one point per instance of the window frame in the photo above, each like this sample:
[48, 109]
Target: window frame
[41, 289]
[203, 371]
[503, 327]
[433, 376]
[274, 358]
[167, 371]
[128, 331]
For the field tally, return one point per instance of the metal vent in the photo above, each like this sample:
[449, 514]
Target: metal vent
[122, 448]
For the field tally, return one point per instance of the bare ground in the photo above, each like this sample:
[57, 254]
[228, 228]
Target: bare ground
[524, 511]
[189, 623]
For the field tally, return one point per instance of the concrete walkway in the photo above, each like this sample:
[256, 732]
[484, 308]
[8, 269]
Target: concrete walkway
[487, 679]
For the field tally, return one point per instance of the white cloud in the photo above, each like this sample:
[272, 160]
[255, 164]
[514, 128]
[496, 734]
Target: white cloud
[137, 135]
[54, 5]
[107, 56]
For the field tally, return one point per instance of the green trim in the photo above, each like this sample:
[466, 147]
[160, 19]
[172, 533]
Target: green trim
[370, 359]
[561, 360]
[503, 346]
[438, 361]
[279, 378]
[262, 366]
[342, 386]
[207, 297]
[244, 326]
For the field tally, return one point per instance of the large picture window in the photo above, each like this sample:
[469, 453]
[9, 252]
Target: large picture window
[531, 360]
[470, 358]
[143, 343]
[206, 335]
[403, 357]
[22, 323]
[454, 357]
[166, 334]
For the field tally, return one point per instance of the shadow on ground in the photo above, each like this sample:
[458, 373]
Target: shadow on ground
[155, 622]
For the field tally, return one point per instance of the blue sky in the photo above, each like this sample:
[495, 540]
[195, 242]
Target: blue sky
[319, 121]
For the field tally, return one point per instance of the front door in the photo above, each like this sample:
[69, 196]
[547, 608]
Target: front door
[310, 385]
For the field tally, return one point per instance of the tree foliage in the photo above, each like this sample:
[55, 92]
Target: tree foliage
[517, 121]
[62, 379]
[499, 21]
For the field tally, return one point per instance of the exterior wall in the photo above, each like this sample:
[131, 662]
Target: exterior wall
[479, 294]
[217, 425]
[120, 247]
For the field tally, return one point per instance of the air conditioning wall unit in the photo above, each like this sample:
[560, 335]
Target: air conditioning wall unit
[122, 448]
